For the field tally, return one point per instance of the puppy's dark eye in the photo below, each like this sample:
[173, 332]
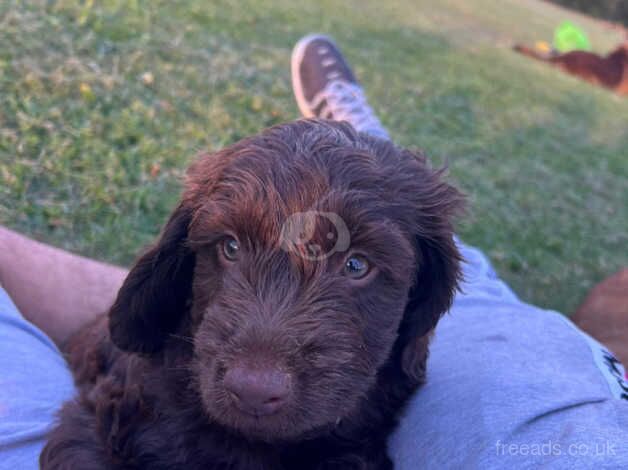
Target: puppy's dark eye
[356, 267]
[231, 248]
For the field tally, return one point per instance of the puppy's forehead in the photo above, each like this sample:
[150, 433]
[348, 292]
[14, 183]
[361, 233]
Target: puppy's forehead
[256, 194]
[254, 186]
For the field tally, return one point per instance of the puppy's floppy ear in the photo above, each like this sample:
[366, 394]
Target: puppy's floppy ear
[430, 297]
[154, 297]
[438, 264]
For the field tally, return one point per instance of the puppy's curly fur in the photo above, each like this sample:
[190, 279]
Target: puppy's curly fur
[151, 392]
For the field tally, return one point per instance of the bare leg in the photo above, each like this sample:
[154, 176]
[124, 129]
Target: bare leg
[54, 289]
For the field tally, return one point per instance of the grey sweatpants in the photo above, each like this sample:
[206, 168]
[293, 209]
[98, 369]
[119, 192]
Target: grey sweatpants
[513, 386]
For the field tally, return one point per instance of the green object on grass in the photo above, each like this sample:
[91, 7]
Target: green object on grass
[568, 37]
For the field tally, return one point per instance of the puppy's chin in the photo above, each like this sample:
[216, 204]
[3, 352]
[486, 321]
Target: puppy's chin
[276, 428]
[281, 427]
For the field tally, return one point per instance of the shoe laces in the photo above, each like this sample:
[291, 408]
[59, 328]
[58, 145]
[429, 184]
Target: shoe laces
[346, 101]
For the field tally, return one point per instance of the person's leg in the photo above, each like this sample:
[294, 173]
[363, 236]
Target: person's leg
[56, 290]
[59, 292]
[34, 382]
[509, 385]
[325, 87]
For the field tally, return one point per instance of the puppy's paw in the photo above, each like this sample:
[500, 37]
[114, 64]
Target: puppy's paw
[118, 410]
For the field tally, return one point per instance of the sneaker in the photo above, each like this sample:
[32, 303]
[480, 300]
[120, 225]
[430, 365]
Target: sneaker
[325, 87]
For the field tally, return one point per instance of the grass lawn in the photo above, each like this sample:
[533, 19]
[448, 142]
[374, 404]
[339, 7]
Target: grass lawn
[104, 103]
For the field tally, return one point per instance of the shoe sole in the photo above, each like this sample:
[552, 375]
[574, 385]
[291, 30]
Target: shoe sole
[295, 61]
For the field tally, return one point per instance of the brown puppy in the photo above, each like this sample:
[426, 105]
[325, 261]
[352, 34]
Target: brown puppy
[282, 319]
[610, 71]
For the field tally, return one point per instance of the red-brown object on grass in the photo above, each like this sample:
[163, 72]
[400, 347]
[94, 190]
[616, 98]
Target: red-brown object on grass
[610, 71]
[604, 314]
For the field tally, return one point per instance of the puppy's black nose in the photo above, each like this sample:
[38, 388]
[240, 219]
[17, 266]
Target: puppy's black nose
[258, 390]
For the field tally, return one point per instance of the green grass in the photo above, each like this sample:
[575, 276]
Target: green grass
[91, 152]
